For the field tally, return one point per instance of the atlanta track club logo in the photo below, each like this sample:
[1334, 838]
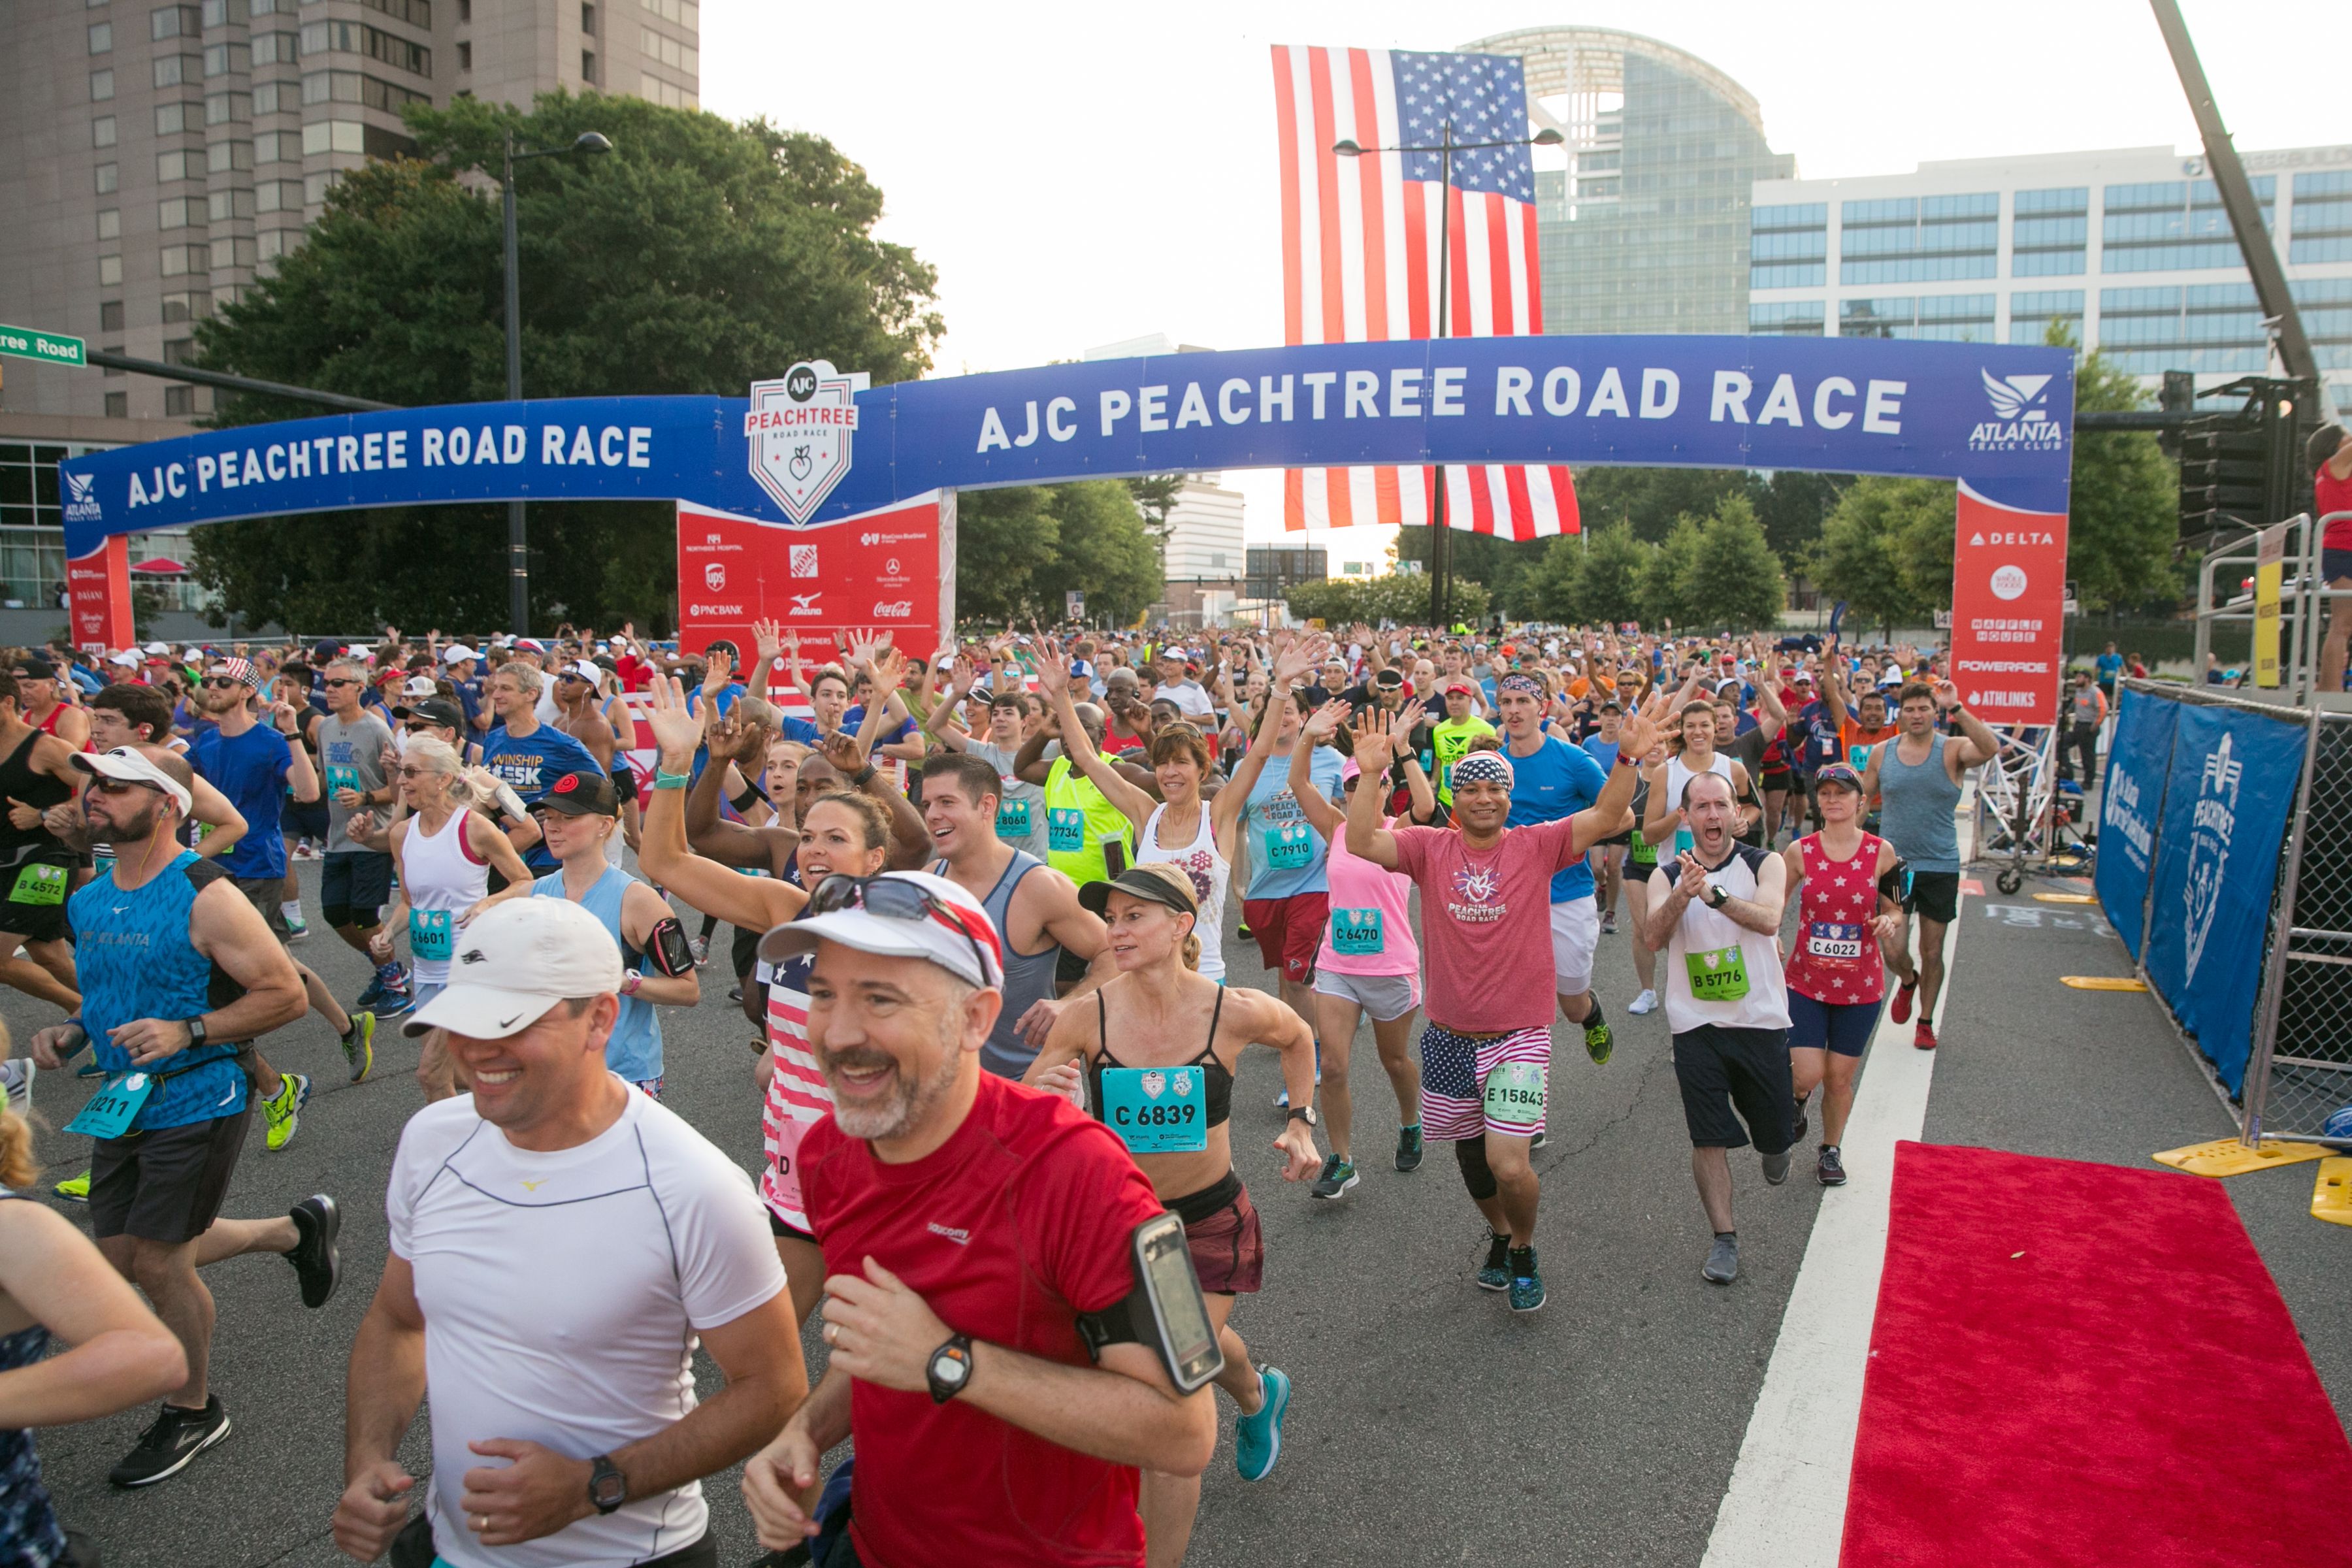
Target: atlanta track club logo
[2022, 420]
[799, 431]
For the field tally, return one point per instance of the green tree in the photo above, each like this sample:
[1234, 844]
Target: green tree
[1004, 537]
[1737, 584]
[1103, 549]
[2123, 512]
[1793, 506]
[695, 258]
[1670, 575]
[1886, 550]
[1650, 500]
[1403, 599]
[1606, 575]
[1512, 568]
[1155, 496]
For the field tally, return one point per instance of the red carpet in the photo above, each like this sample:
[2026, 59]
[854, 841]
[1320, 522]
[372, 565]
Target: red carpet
[2129, 1391]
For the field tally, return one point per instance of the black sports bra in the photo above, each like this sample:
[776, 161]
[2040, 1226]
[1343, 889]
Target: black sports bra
[1216, 1078]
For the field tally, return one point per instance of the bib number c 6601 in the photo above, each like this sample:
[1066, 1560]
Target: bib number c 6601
[428, 933]
[1157, 1111]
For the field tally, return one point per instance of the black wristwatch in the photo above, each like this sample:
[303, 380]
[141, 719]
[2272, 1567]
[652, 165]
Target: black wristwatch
[608, 1489]
[1305, 1113]
[1716, 896]
[195, 1031]
[949, 1371]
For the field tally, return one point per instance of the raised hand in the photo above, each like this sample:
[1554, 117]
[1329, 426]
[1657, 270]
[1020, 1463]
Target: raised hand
[889, 672]
[841, 750]
[1375, 747]
[1639, 732]
[1326, 721]
[768, 637]
[677, 730]
[1053, 667]
[1408, 716]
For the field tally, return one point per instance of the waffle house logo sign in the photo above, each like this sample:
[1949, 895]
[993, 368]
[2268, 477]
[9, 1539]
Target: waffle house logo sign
[800, 431]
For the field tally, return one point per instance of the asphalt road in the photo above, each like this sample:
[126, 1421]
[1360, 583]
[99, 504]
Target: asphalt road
[1428, 1421]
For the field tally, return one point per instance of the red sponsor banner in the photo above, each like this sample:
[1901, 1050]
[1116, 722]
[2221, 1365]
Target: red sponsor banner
[2008, 600]
[98, 584]
[892, 570]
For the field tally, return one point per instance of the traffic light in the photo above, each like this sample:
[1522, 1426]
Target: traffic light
[2178, 396]
[2244, 470]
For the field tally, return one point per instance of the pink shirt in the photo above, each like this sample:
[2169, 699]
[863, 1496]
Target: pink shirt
[1836, 956]
[1486, 920]
[1367, 914]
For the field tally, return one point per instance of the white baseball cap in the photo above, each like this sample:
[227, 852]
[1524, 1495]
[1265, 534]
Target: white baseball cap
[126, 658]
[954, 932]
[135, 766]
[162, 650]
[419, 686]
[457, 653]
[514, 962]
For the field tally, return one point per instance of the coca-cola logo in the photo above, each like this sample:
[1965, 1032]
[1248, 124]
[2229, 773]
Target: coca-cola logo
[895, 609]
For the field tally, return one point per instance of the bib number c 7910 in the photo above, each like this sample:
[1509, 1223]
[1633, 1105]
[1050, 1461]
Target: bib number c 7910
[1718, 975]
[1157, 1111]
[110, 1111]
[1289, 847]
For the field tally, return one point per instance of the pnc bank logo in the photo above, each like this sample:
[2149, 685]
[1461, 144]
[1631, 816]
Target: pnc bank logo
[2022, 420]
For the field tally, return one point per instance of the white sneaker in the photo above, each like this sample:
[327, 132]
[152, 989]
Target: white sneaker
[1647, 1002]
[16, 1083]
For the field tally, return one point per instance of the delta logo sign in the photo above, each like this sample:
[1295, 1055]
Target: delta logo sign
[2022, 420]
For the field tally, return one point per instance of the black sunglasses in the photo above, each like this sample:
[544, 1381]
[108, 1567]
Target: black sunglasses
[892, 899]
[121, 786]
[222, 681]
[343, 680]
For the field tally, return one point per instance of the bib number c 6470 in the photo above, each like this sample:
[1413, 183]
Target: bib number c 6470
[1157, 1111]
[110, 1111]
[1356, 932]
[1718, 974]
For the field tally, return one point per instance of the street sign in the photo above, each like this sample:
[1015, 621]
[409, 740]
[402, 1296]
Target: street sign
[25, 343]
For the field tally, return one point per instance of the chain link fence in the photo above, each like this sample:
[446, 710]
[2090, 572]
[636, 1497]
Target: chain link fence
[2301, 1068]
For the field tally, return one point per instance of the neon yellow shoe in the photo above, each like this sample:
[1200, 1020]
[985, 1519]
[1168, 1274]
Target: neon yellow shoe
[359, 1046]
[74, 1189]
[282, 1112]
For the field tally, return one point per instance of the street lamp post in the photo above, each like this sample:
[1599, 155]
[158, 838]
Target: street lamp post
[518, 532]
[1441, 539]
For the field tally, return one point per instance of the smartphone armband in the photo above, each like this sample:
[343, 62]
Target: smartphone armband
[1896, 883]
[668, 945]
[1165, 1310]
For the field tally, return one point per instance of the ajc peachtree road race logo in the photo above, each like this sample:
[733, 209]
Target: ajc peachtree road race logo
[2209, 828]
[81, 505]
[799, 429]
[2022, 420]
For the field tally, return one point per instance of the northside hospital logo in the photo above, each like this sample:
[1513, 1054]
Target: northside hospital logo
[2022, 420]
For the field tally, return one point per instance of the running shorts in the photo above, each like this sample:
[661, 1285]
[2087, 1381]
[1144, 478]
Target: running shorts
[1472, 1085]
[353, 886]
[1289, 932]
[1934, 896]
[2336, 565]
[1575, 932]
[165, 1185]
[1721, 1069]
[1843, 1028]
[1383, 996]
[306, 819]
[35, 891]
[780, 1227]
[264, 894]
[1222, 1234]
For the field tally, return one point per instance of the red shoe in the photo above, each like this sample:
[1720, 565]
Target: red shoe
[1900, 1008]
[1924, 1036]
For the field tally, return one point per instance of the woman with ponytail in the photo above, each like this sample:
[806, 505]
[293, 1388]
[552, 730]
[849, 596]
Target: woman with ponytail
[1167, 1091]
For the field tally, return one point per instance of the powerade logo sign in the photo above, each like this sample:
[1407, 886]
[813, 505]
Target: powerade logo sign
[81, 501]
[2021, 421]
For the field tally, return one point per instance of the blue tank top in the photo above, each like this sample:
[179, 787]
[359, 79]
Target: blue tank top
[1558, 780]
[634, 1051]
[29, 1533]
[134, 960]
[1028, 976]
[1918, 803]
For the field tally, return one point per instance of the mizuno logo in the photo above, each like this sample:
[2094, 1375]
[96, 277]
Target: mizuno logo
[534, 1186]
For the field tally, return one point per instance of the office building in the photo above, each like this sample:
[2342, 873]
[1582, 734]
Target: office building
[160, 158]
[1645, 228]
[2130, 248]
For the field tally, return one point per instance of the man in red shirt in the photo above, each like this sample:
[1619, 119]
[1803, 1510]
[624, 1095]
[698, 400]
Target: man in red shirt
[966, 1222]
[2330, 452]
[1485, 912]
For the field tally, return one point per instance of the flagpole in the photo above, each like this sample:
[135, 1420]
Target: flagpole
[1440, 546]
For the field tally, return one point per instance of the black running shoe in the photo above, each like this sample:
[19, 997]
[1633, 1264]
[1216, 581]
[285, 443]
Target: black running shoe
[171, 1443]
[316, 1261]
[1800, 1133]
[1496, 1274]
[1409, 1148]
[1829, 1168]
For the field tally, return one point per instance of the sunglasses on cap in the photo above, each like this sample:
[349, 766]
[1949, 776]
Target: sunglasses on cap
[893, 899]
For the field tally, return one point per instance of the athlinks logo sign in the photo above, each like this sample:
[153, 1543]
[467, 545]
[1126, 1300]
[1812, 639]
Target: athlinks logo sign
[2022, 420]
[2211, 826]
[81, 501]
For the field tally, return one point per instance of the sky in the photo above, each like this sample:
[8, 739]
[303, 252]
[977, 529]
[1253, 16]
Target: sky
[1084, 174]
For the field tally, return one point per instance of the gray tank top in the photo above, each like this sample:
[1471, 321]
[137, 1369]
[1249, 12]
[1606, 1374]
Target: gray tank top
[1028, 976]
[1918, 803]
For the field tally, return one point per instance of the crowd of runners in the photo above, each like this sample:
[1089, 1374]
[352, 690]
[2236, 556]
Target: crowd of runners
[978, 910]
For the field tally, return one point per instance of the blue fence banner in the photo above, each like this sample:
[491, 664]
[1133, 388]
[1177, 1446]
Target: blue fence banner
[2000, 417]
[2139, 758]
[2231, 787]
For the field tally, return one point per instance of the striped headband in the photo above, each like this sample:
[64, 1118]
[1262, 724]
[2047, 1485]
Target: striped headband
[1484, 767]
[1526, 683]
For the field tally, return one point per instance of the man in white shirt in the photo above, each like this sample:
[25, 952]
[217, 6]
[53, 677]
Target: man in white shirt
[1176, 686]
[558, 1243]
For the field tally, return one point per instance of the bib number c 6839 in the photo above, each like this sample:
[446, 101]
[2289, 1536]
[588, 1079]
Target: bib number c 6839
[110, 1111]
[1718, 975]
[1157, 1111]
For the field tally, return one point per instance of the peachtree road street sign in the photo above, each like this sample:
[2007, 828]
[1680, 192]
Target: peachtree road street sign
[55, 347]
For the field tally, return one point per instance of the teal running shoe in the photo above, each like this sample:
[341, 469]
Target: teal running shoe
[1257, 1439]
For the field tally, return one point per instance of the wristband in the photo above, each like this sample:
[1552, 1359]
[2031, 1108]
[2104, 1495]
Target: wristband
[664, 779]
[860, 777]
[1625, 761]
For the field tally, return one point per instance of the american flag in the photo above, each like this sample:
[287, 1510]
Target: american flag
[1360, 255]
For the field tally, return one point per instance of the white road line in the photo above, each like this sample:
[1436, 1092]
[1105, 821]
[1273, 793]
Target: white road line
[1786, 1505]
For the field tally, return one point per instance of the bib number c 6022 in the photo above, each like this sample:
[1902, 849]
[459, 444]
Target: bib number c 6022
[1833, 939]
[1157, 1111]
[1718, 975]
[110, 1111]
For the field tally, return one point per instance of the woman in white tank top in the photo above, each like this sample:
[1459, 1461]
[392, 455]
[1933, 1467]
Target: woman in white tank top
[445, 851]
[1180, 828]
[1663, 825]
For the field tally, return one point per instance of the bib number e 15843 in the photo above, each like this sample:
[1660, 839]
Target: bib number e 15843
[1516, 1091]
[110, 1111]
[1157, 1111]
[1718, 974]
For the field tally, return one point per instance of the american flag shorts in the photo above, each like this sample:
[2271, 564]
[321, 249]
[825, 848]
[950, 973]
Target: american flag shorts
[1475, 1084]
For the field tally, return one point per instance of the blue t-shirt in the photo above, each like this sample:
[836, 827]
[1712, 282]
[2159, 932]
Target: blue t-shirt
[1559, 780]
[250, 769]
[2110, 666]
[1599, 750]
[530, 766]
[887, 735]
[1288, 857]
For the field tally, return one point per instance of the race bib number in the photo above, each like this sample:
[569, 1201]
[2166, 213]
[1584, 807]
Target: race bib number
[1356, 932]
[110, 1111]
[1514, 1091]
[1860, 757]
[1642, 852]
[784, 1169]
[44, 885]
[1066, 829]
[1719, 974]
[342, 775]
[1013, 819]
[1157, 1111]
[1290, 846]
[1825, 939]
[428, 933]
